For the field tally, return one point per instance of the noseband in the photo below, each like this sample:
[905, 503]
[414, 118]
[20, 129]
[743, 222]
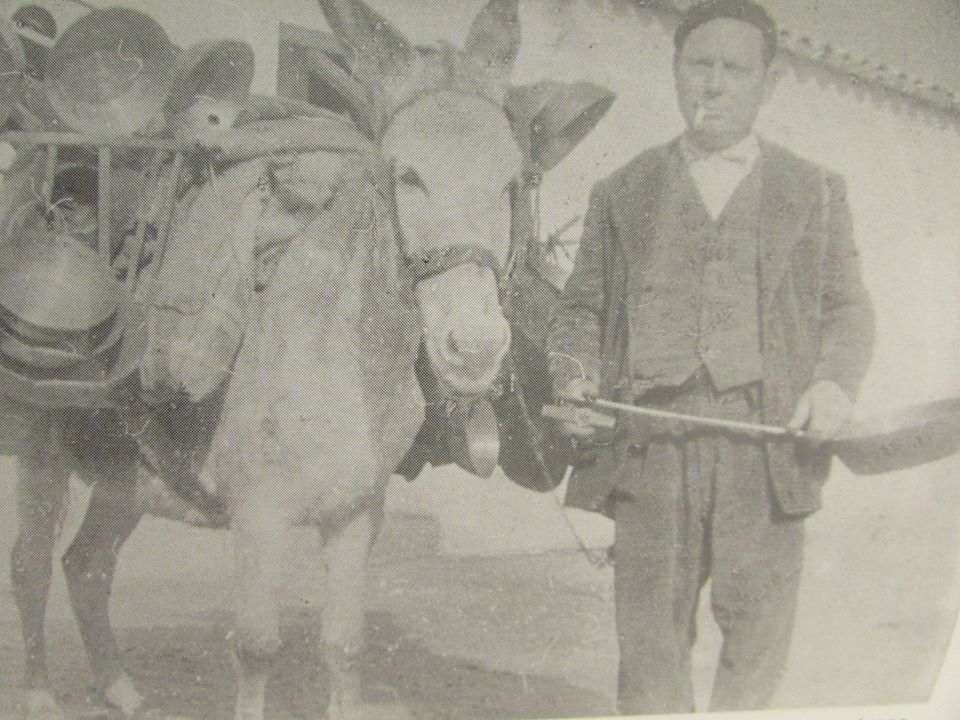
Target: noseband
[449, 413]
[425, 264]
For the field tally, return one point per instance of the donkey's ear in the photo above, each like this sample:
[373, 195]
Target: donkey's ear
[377, 43]
[493, 43]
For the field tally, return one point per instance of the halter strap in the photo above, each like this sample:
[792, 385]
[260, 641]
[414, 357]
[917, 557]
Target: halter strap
[437, 261]
[434, 261]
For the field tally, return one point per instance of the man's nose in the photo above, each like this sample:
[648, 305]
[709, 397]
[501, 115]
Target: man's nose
[716, 80]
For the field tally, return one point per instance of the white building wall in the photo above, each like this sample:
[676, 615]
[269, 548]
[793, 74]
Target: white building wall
[899, 164]
[903, 184]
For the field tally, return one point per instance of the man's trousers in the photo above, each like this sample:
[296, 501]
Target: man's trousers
[688, 508]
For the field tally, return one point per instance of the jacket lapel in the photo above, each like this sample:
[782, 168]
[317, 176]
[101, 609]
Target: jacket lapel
[784, 209]
[635, 202]
[632, 206]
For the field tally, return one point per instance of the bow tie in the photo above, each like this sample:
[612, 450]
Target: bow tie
[740, 155]
[735, 156]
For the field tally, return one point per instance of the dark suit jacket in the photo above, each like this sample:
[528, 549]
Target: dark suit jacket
[816, 319]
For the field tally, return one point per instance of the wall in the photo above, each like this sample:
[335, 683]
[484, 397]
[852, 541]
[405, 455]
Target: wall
[899, 164]
[900, 167]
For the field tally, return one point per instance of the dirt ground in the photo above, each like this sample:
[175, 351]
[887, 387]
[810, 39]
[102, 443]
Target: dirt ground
[525, 635]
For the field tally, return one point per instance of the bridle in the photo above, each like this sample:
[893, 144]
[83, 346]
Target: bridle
[425, 264]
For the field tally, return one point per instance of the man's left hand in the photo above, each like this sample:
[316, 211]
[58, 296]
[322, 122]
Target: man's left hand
[823, 412]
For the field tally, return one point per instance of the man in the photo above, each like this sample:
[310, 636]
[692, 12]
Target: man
[717, 276]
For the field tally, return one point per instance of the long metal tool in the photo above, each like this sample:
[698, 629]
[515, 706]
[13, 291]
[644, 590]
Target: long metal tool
[897, 439]
[736, 425]
[241, 142]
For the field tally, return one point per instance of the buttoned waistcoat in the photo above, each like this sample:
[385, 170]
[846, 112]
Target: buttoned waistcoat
[816, 318]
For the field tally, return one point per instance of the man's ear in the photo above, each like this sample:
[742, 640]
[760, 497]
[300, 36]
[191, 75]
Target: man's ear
[774, 72]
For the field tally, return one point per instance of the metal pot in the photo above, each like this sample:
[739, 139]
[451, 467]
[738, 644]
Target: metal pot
[110, 73]
[59, 301]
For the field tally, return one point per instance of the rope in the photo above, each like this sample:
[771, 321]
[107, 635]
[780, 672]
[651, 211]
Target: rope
[597, 561]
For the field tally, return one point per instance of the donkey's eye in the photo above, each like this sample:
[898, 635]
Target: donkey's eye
[411, 178]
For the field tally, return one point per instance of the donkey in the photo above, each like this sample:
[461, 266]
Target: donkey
[322, 400]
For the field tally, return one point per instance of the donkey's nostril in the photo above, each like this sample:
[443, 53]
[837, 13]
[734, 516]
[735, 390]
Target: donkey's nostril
[475, 343]
[468, 354]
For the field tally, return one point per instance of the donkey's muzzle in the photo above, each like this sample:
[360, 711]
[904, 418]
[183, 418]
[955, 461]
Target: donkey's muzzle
[476, 345]
[468, 355]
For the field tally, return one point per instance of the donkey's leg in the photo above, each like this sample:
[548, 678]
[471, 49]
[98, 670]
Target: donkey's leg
[89, 565]
[259, 547]
[42, 484]
[344, 616]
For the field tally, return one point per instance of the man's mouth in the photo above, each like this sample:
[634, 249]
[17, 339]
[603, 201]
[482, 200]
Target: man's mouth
[704, 114]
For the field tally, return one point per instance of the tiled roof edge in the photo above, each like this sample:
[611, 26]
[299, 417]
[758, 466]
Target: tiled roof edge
[878, 75]
[872, 74]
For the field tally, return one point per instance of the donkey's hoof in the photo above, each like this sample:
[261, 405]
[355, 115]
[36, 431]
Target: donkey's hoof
[123, 696]
[368, 711]
[41, 705]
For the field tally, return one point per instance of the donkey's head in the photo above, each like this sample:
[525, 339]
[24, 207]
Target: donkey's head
[438, 116]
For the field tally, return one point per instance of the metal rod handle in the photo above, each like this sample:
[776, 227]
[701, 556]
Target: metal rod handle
[49, 175]
[737, 425]
[168, 206]
[154, 185]
[238, 143]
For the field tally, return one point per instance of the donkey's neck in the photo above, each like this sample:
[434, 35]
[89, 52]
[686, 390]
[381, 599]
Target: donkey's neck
[324, 400]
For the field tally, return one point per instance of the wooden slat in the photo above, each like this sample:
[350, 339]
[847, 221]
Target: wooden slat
[240, 142]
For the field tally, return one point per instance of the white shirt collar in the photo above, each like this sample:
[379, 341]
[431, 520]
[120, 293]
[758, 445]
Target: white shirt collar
[744, 152]
[717, 175]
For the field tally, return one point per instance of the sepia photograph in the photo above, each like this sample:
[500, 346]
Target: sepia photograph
[479, 359]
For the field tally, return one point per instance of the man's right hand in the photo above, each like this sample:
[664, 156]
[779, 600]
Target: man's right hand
[578, 390]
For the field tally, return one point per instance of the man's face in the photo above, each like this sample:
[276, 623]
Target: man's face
[722, 81]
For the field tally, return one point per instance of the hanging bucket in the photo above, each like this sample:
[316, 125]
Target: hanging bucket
[59, 302]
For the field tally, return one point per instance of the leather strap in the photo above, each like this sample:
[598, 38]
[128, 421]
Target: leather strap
[438, 260]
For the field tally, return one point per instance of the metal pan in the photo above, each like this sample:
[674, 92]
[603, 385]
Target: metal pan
[57, 284]
[901, 439]
[210, 88]
[110, 72]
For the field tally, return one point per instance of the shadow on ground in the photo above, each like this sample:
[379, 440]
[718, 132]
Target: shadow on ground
[527, 635]
[187, 671]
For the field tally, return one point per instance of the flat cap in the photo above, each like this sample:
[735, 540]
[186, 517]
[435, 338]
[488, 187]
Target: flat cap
[746, 11]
